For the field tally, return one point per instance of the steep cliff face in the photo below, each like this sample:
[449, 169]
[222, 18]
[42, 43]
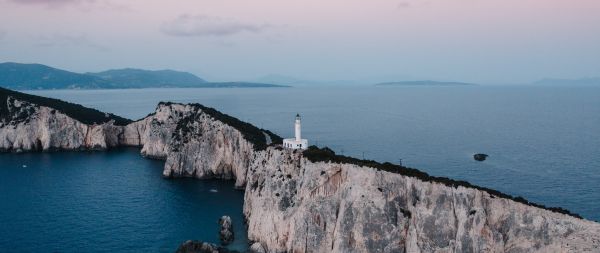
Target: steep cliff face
[154, 132]
[295, 205]
[29, 127]
[193, 143]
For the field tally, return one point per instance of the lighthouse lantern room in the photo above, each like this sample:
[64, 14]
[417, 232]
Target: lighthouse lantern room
[297, 142]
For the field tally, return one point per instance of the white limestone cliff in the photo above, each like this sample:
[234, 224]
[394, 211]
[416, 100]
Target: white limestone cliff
[39, 128]
[295, 205]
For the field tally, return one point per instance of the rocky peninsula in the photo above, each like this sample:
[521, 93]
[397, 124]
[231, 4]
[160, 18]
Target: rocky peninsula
[305, 201]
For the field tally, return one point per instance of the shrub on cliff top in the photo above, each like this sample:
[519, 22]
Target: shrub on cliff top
[83, 114]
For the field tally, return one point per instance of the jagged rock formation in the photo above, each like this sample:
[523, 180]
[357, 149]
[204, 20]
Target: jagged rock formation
[226, 231]
[295, 204]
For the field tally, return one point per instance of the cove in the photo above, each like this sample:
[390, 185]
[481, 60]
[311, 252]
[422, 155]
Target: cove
[113, 201]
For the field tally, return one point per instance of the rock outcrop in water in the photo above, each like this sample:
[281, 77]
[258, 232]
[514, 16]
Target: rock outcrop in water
[200, 247]
[295, 202]
[480, 157]
[226, 231]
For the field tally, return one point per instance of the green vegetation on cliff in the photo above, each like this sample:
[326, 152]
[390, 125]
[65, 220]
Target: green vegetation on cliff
[83, 114]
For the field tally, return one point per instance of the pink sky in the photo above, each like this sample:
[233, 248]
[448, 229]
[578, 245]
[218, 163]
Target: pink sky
[496, 41]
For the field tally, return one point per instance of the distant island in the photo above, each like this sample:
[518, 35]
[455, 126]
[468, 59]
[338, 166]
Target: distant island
[591, 81]
[423, 83]
[21, 76]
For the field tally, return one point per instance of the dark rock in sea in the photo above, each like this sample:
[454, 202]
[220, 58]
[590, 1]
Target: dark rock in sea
[199, 247]
[480, 157]
[226, 232]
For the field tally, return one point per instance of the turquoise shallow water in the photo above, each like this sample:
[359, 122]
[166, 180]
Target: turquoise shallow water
[113, 201]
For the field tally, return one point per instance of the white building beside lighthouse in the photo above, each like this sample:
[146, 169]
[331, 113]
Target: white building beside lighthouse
[297, 142]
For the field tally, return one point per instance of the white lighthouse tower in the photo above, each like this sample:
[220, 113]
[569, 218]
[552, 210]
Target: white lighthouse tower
[297, 142]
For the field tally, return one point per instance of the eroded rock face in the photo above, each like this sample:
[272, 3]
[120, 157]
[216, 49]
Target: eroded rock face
[226, 231]
[39, 128]
[193, 143]
[295, 205]
[154, 132]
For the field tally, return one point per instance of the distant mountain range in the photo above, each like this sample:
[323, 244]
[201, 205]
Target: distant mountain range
[593, 81]
[138, 78]
[37, 76]
[423, 83]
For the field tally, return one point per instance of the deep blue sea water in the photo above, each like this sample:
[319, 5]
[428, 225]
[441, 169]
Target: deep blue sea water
[543, 142]
[113, 201]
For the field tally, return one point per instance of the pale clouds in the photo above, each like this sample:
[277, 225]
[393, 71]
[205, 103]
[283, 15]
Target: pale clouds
[205, 26]
[403, 5]
[83, 5]
[51, 3]
[47, 1]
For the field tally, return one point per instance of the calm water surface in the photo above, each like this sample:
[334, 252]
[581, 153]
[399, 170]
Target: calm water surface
[543, 142]
[113, 201]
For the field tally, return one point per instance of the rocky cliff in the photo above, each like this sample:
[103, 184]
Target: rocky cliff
[29, 127]
[297, 204]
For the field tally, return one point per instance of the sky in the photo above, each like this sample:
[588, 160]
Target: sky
[482, 41]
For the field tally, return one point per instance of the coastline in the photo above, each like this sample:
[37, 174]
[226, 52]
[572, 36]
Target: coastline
[196, 144]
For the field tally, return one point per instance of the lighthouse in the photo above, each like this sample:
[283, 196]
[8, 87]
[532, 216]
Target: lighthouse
[297, 142]
[298, 128]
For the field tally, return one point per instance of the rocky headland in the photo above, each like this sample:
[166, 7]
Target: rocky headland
[305, 201]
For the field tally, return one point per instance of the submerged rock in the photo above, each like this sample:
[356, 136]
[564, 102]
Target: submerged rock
[480, 157]
[226, 232]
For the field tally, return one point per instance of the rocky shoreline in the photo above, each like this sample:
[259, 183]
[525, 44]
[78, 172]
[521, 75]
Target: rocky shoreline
[296, 203]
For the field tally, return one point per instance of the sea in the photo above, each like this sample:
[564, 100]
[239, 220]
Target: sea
[543, 144]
